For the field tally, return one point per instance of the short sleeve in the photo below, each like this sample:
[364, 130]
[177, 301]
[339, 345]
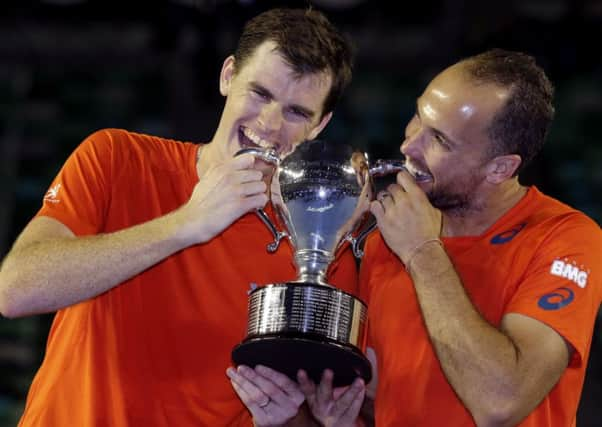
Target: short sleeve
[563, 285]
[80, 194]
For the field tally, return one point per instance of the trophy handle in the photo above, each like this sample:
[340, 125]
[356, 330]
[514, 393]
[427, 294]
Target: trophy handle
[269, 156]
[278, 235]
[381, 168]
[355, 242]
[385, 167]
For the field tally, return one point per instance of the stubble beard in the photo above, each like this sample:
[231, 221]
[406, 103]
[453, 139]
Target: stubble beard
[457, 199]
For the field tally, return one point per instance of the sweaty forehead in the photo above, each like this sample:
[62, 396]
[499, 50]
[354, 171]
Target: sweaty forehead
[453, 95]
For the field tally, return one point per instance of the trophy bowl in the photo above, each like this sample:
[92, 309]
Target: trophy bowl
[321, 195]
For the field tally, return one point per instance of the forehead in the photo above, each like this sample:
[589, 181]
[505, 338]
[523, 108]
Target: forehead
[267, 67]
[459, 107]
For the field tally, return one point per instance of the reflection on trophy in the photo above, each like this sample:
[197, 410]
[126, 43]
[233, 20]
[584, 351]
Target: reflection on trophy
[321, 195]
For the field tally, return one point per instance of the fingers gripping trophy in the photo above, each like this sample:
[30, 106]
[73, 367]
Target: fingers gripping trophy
[321, 195]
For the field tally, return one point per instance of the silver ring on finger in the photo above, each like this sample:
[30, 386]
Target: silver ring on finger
[383, 195]
[266, 403]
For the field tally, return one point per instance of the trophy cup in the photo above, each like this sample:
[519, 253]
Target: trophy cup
[321, 195]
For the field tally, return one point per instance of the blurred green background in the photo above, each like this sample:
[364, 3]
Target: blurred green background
[69, 67]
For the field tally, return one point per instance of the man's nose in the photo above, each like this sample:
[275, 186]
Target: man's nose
[412, 143]
[270, 117]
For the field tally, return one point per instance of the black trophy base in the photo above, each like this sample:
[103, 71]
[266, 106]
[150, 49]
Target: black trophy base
[288, 355]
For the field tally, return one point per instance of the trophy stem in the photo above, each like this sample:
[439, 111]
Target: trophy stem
[312, 265]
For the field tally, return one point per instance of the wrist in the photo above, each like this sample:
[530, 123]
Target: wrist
[188, 227]
[410, 255]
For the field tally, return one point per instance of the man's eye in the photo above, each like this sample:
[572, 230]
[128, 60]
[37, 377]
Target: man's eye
[440, 139]
[299, 113]
[260, 93]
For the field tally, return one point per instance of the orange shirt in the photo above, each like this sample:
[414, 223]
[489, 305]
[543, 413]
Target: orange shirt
[541, 259]
[153, 350]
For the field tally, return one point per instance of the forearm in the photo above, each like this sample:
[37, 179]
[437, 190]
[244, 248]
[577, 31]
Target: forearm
[46, 275]
[480, 362]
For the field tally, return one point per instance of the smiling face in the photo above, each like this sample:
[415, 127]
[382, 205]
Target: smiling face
[267, 105]
[446, 143]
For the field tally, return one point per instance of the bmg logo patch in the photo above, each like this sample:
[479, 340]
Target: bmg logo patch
[569, 271]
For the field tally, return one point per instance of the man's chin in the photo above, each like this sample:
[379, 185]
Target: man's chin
[446, 202]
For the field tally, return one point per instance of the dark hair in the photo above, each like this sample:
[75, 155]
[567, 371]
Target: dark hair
[522, 124]
[307, 41]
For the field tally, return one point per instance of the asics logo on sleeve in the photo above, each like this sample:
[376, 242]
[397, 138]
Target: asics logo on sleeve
[562, 268]
[561, 297]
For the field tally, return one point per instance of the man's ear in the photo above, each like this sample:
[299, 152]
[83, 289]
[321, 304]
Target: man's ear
[225, 75]
[502, 168]
[316, 130]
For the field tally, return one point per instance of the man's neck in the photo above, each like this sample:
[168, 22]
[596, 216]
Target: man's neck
[205, 158]
[485, 211]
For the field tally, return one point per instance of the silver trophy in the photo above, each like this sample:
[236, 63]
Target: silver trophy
[321, 195]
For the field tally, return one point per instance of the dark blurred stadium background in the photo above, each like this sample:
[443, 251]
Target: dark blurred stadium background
[69, 67]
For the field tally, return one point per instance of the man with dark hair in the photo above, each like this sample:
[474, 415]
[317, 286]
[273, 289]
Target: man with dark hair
[147, 248]
[482, 292]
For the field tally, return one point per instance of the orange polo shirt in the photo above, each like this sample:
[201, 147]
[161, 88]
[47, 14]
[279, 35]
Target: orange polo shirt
[541, 259]
[153, 350]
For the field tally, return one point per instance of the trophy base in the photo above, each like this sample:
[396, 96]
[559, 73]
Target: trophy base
[289, 354]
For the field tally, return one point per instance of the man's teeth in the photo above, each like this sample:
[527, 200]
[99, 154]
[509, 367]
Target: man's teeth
[255, 139]
[417, 174]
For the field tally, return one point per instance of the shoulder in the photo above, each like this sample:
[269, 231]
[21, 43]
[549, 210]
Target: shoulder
[123, 138]
[555, 216]
[563, 238]
[126, 146]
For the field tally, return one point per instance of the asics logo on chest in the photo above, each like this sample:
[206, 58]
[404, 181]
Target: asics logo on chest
[506, 236]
